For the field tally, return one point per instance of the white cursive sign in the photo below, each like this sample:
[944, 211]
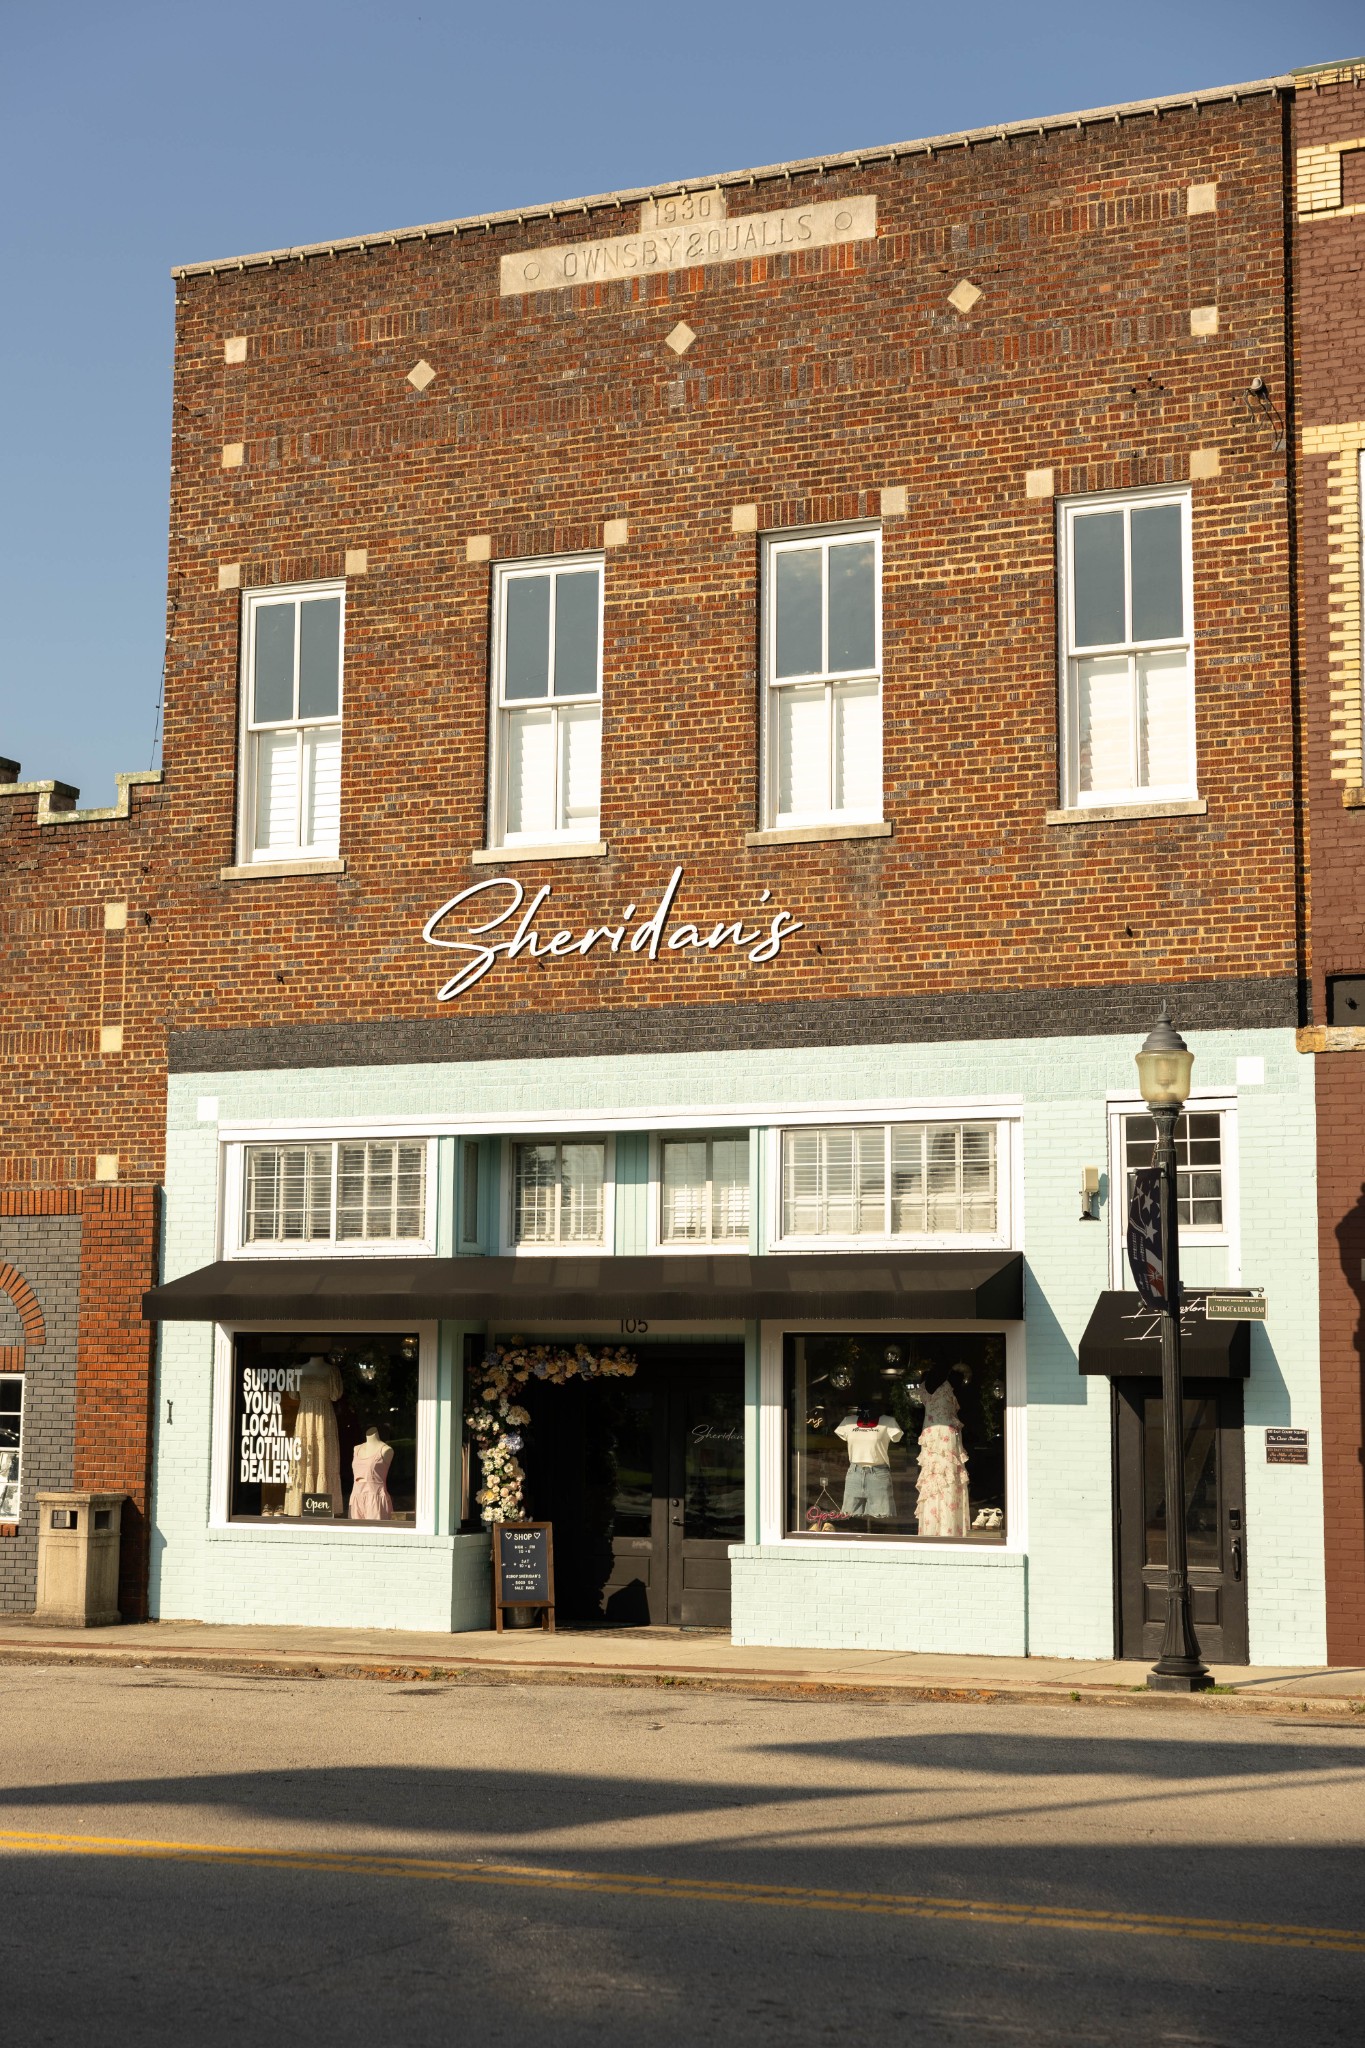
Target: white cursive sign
[760, 942]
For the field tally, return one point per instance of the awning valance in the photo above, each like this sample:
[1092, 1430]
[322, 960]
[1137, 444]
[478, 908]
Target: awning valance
[969, 1285]
[1123, 1341]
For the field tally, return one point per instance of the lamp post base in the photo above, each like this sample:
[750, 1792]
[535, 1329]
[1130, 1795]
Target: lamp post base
[1179, 1681]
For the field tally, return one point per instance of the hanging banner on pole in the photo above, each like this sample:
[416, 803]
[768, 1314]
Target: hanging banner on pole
[1146, 1252]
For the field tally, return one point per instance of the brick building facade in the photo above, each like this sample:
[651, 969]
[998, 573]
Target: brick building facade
[83, 1049]
[1329, 243]
[833, 631]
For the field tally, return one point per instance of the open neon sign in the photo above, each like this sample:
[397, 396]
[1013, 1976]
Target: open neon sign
[648, 939]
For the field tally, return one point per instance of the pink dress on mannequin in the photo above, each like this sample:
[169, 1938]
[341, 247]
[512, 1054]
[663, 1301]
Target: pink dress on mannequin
[370, 1500]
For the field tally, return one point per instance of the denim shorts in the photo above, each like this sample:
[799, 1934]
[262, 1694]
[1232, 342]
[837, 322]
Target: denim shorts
[867, 1491]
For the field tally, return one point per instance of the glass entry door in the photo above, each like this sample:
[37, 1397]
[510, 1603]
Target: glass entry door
[1215, 1518]
[679, 1501]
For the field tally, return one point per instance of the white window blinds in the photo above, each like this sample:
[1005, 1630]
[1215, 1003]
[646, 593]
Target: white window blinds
[559, 1193]
[335, 1192]
[890, 1181]
[704, 1191]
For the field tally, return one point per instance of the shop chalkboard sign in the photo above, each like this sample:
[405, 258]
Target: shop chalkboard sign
[524, 1570]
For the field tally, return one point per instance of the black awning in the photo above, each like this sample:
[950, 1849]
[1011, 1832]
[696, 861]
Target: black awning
[975, 1286]
[1123, 1341]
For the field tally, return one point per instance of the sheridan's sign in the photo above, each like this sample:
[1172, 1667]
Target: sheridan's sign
[758, 942]
[685, 244]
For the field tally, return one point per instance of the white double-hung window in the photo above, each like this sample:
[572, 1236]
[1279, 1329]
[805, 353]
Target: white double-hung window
[1128, 650]
[291, 796]
[547, 712]
[822, 692]
[891, 1181]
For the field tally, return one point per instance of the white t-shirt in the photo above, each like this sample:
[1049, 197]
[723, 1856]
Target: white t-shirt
[870, 1443]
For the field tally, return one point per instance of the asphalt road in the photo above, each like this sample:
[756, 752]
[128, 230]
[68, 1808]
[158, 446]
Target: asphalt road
[197, 1859]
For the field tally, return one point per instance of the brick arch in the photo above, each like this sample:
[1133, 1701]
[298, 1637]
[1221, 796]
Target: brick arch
[13, 1283]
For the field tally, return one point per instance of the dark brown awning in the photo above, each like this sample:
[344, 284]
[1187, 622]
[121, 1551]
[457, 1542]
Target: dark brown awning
[976, 1286]
[1123, 1341]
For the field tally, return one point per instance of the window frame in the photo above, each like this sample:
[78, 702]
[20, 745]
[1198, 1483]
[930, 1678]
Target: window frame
[772, 1437]
[774, 545]
[512, 1246]
[1008, 1182]
[504, 574]
[1072, 796]
[220, 1519]
[255, 600]
[1228, 1237]
[707, 1246]
[232, 1203]
[11, 1520]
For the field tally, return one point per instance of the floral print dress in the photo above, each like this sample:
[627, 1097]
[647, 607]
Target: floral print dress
[942, 1502]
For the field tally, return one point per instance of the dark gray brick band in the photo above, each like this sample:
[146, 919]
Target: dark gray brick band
[1269, 1004]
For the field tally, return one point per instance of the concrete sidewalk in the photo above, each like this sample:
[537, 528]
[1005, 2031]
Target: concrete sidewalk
[653, 1656]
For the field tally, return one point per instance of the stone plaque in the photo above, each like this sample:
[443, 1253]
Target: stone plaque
[749, 235]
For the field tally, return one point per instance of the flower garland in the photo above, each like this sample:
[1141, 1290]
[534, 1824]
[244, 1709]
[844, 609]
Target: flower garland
[495, 1418]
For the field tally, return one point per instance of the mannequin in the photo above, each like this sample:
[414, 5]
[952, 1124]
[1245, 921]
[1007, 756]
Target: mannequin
[868, 1438]
[943, 1502]
[370, 1463]
[317, 1467]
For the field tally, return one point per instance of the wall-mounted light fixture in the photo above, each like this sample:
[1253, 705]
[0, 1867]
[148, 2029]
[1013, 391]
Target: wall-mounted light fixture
[1090, 1193]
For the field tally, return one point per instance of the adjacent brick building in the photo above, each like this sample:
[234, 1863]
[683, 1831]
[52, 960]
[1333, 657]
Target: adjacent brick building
[83, 1048]
[1329, 337]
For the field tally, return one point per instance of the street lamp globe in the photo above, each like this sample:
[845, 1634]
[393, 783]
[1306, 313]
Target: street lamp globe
[1164, 1065]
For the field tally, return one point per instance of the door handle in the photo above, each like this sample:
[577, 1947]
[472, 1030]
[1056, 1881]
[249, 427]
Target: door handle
[1237, 1559]
[677, 1521]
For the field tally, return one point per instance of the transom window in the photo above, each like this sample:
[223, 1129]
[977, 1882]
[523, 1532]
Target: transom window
[1198, 1164]
[559, 1192]
[548, 686]
[890, 1180]
[11, 1443]
[291, 805]
[822, 631]
[1129, 680]
[335, 1192]
[704, 1191]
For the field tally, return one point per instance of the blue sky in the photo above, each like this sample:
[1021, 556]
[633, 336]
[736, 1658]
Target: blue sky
[146, 134]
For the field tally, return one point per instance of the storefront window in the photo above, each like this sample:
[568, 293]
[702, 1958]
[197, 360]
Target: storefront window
[896, 1436]
[11, 1430]
[324, 1428]
[889, 1180]
[704, 1196]
[335, 1191]
[559, 1193]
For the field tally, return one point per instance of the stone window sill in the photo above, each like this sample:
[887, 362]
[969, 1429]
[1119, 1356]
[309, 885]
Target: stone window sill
[267, 870]
[811, 835]
[561, 849]
[1353, 799]
[1330, 1038]
[1116, 814]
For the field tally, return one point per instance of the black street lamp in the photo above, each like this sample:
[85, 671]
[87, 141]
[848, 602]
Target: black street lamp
[1164, 1065]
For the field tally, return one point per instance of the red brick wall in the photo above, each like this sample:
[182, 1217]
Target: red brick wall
[1329, 297]
[114, 1355]
[814, 381]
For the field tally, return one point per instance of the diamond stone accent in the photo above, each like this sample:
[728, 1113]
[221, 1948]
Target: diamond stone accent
[420, 375]
[681, 339]
[964, 295]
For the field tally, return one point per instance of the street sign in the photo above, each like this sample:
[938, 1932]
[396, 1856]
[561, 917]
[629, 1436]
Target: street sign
[1234, 1308]
[1146, 1252]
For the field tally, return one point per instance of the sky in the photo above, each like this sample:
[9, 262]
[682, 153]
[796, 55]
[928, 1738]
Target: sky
[155, 132]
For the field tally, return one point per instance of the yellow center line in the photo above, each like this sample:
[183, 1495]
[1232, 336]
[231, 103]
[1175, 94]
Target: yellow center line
[709, 1891]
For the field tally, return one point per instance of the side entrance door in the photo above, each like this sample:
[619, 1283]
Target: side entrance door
[678, 1452]
[1215, 1518]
